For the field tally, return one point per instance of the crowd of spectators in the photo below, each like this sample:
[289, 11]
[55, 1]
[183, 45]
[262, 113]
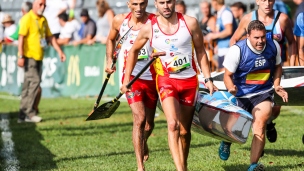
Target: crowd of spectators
[70, 31]
[63, 23]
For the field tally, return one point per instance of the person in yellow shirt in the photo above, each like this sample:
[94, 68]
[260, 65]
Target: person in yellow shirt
[33, 35]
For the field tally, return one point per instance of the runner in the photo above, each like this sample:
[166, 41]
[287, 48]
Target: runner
[278, 26]
[178, 35]
[252, 68]
[143, 96]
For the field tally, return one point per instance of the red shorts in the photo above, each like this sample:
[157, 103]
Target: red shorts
[143, 90]
[184, 90]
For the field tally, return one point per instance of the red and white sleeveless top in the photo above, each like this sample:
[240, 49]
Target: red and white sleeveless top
[179, 60]
[144, 54]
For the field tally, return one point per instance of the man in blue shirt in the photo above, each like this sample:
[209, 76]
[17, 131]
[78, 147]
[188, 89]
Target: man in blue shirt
[251, 71]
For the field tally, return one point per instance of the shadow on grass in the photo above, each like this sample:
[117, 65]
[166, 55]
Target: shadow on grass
[284, 152]
[100, 129]
[74, 113]
[32, 155]
[242, 167]
[129, 152]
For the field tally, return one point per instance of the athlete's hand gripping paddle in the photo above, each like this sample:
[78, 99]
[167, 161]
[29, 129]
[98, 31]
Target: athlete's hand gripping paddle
[115, 55]
[107, 109]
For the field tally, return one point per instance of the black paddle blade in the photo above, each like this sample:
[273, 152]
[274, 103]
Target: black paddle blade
[104, 111]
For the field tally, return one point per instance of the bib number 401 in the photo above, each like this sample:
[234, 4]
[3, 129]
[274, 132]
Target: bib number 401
[180, 62]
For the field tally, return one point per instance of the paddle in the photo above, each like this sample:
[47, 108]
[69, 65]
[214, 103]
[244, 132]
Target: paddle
[115, 54]
[108, 108]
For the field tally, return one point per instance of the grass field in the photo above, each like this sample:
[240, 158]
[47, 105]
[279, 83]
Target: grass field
[65, 142]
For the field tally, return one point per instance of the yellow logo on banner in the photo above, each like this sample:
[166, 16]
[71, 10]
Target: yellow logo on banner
[73, 71]
[111, 80]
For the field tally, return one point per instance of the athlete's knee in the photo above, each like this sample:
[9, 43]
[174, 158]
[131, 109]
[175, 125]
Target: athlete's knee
[138, 121]
[184, 133]
[149, 126]
[259, 128]
[173, 126]
[276, 111]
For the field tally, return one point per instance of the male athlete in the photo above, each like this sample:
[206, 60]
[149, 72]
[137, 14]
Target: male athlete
[252, 69]
[278, 27]
[143, 96]
[177, 84]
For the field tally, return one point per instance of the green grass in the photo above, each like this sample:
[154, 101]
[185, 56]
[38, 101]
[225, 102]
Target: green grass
[65, 142]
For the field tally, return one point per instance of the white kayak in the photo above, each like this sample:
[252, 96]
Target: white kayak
[292, 81]
[218, 116]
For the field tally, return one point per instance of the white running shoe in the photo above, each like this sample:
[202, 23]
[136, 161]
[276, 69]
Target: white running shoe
[34, 119]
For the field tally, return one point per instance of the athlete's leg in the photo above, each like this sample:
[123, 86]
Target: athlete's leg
[185, 132]
[261, 113]
[139, 121]
[271, 131]
[149, 126]
[172, 112]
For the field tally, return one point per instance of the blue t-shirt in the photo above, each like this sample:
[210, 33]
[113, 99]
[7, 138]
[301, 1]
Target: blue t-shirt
[281, 6]
[299, 25]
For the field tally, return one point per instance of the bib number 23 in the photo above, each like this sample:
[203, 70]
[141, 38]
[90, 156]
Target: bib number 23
[143, 54]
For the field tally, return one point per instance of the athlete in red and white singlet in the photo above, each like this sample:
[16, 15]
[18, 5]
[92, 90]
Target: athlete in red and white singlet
[177, 35]
[178, 63]
[143, 55]
[142, 97]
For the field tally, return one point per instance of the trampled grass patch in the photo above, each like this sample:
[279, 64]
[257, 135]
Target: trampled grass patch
[65, 141]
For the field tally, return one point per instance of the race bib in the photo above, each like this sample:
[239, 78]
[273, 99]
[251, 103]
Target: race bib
[143, 54]
[43, 43]
[178, 63]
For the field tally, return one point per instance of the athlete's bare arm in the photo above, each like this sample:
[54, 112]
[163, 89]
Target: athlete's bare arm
[276, 83]
[238, 34]
[198, 39]
[141, 39]
[114, 31]
[229, 82]
[286, 23]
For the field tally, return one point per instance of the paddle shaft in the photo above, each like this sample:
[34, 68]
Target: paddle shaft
[115, 54]
[136, 77]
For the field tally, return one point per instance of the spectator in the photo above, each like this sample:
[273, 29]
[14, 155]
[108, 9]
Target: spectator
[208, 21]
[87, 30]
[25, 8]
[52, 10]
[207, 25]
[225, 26]
[299, 30]
[106, 15]
[1, 26]
[31, 44]
[282, 7]
[9, 28]
[181, 7]
[238, 10]
[69, 30]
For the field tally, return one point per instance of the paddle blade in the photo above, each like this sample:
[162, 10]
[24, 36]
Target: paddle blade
[104, 111]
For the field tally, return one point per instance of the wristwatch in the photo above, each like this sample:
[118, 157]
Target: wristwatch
[209, 79]
[20, 56]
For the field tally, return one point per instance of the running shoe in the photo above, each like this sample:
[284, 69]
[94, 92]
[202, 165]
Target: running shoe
[224, 150]
[271, 132]
[256, 167]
